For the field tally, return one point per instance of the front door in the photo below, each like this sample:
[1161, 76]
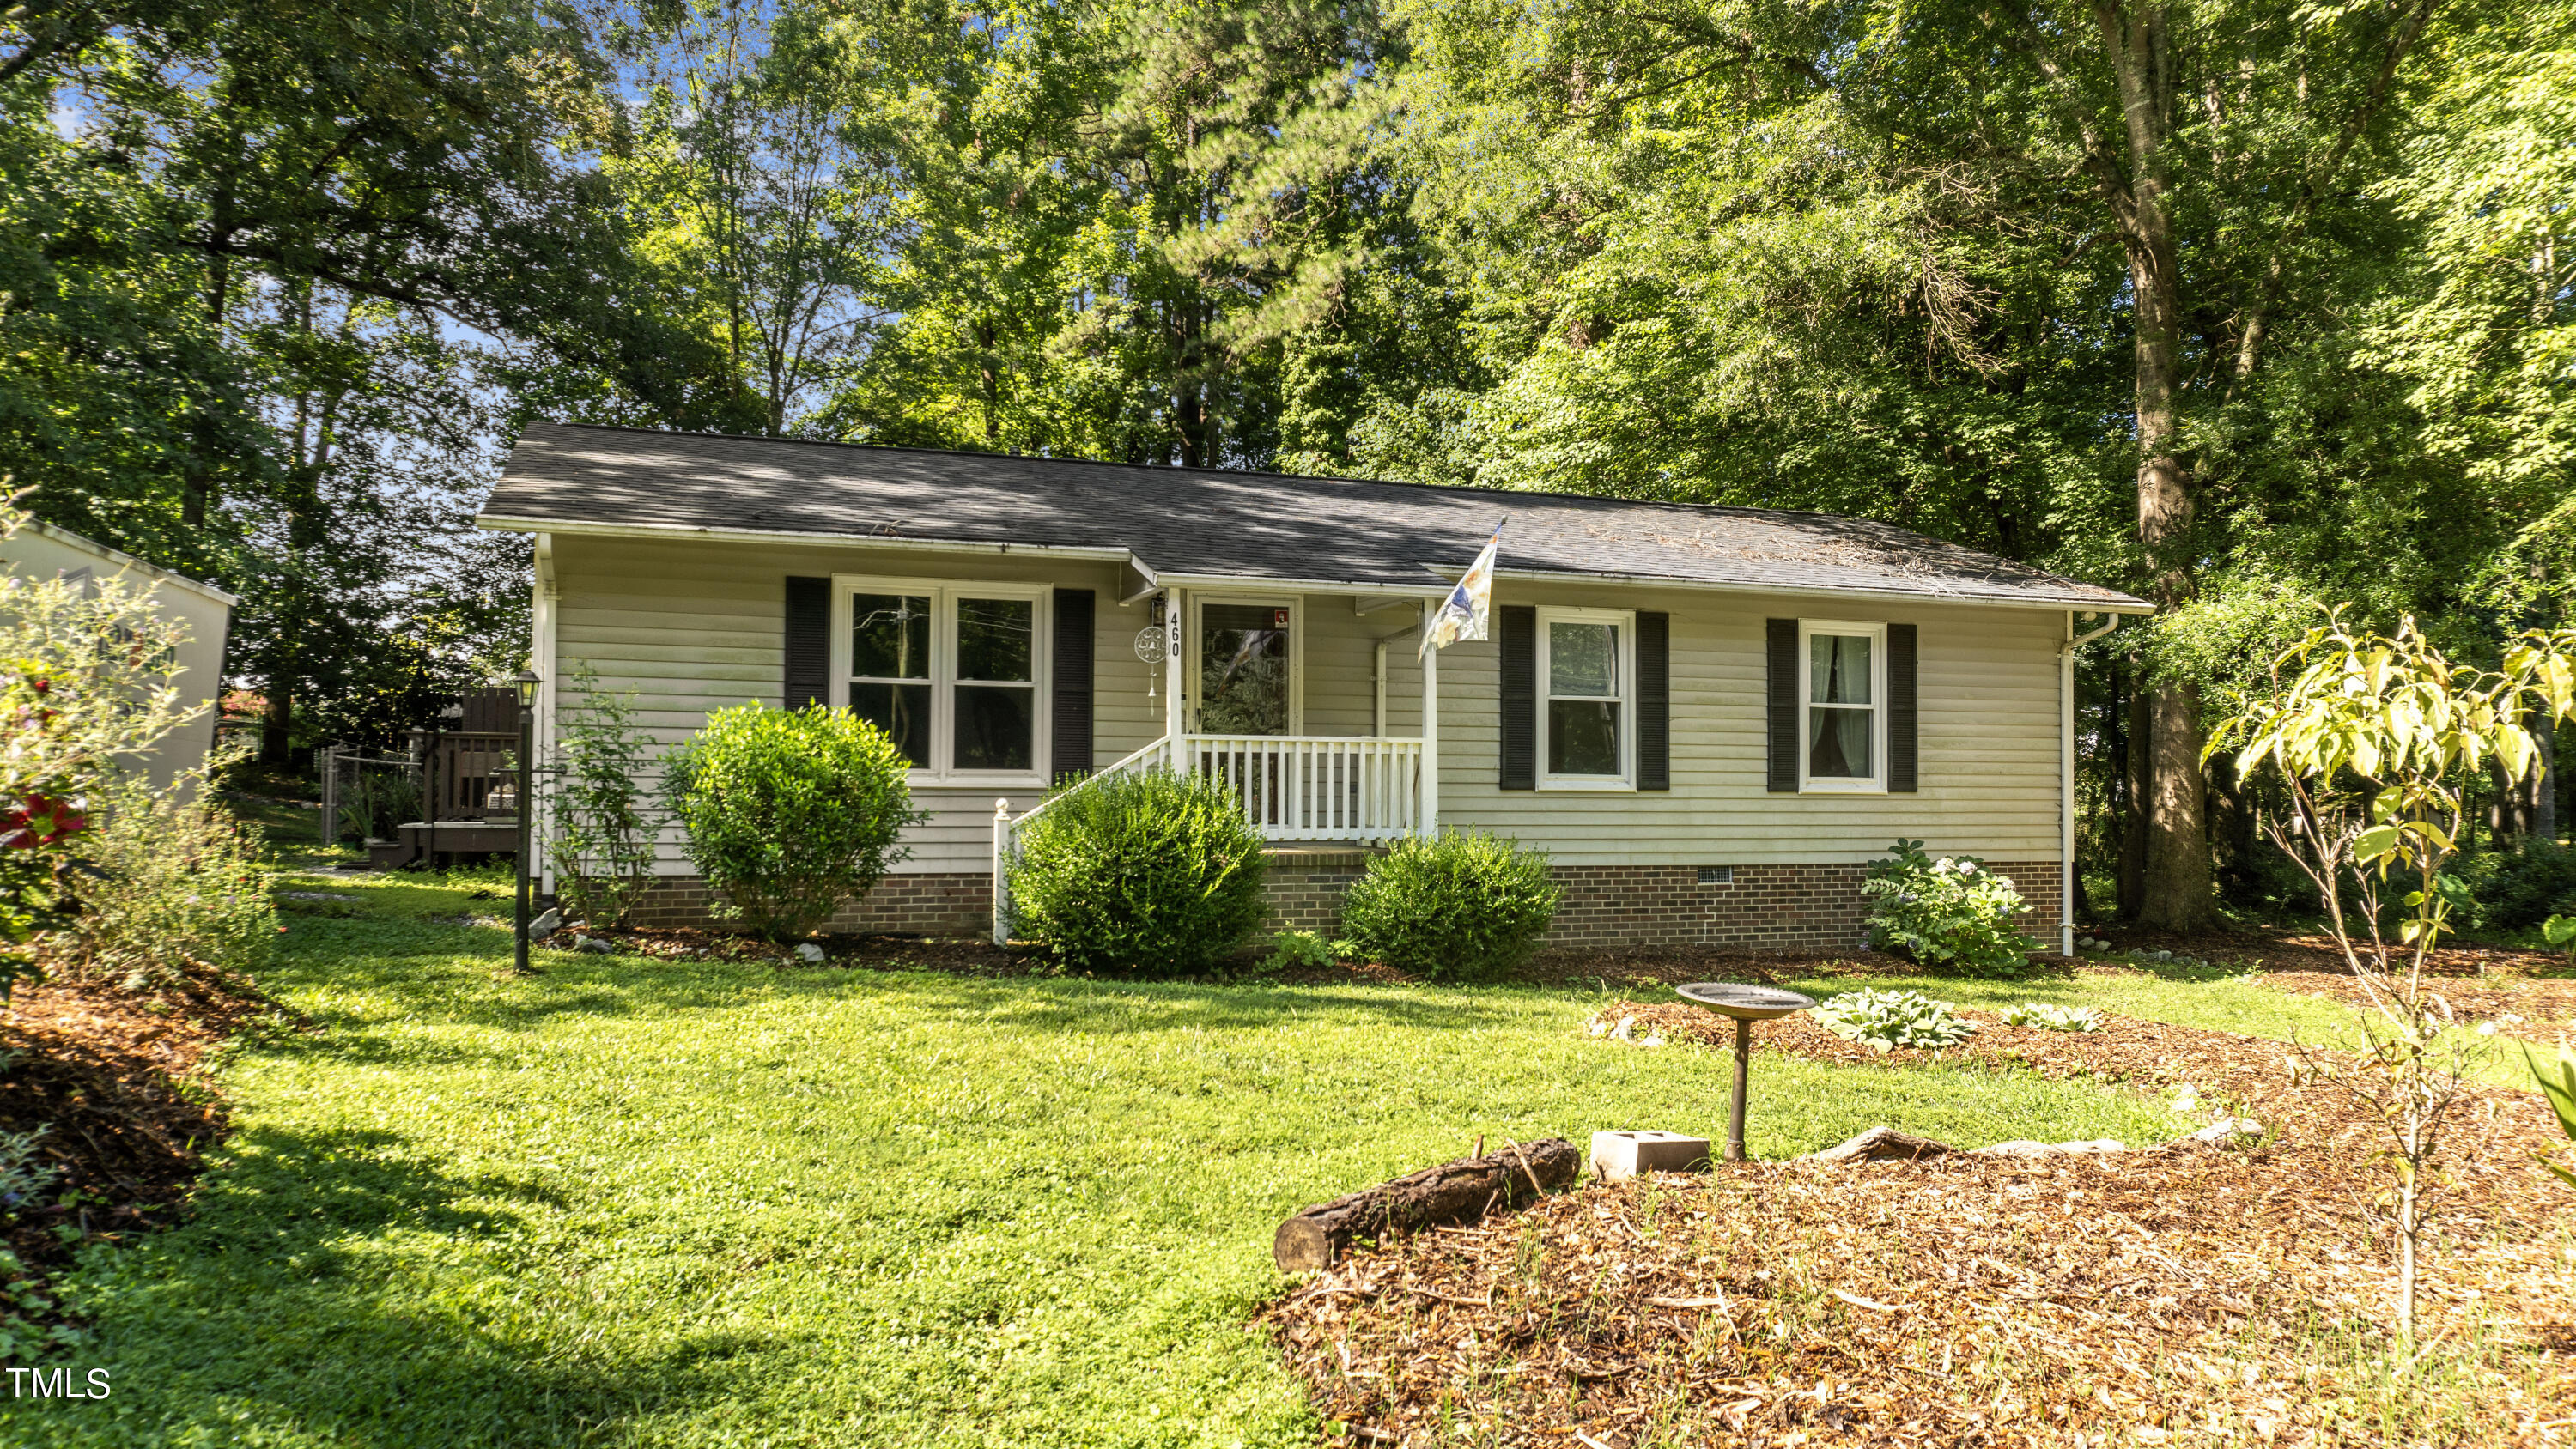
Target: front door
[1244, 664]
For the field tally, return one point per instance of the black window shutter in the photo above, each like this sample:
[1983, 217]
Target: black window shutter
[1654, 702]
[1072, 739]
[809, 642]
[1520, 696]
[1901, 727]
[1780, 637]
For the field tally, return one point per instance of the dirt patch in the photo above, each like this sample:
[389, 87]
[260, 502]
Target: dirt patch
[116, 1077]
[2180, 1293]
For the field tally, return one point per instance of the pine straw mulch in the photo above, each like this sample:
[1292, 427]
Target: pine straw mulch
[2182, 1294]
[116, 1077]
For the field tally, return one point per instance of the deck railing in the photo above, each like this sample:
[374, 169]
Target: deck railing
[1307, 787]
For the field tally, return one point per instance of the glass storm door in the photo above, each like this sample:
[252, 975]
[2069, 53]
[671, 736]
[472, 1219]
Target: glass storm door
[1243, 669]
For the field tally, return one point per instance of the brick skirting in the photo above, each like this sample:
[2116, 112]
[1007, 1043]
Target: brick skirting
[959, 904]
[1760, 908]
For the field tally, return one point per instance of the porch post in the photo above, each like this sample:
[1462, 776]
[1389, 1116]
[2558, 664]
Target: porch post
[1173, 718]
[1430, 822]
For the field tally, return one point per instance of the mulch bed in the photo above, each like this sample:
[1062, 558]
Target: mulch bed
[2167, 1295]
[116, 1078]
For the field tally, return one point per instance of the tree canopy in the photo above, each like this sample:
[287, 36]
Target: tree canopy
[2240, 304]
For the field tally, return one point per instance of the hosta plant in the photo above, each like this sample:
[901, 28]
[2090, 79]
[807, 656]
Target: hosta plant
[1950, 914]
[2053, 1018]
[1886, 1020]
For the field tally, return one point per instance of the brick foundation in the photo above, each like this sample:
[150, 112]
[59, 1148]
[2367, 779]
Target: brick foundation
[959, 904]
[1761, 908]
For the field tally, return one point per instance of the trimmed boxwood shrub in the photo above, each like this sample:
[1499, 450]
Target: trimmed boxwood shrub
[789, 812]
[1141, 871]
[1453, 906]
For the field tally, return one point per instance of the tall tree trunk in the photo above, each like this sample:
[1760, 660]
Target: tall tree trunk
[2137, 737]
[2176, 889]
[277, 725]
[992, 384]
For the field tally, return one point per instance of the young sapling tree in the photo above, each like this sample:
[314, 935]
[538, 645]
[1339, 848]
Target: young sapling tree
[2376, 739]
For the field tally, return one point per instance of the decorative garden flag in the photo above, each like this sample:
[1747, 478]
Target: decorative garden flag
[1462, 615]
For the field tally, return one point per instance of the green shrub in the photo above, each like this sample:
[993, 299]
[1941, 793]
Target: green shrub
[1950, 914]
[172, 879]
[2515, 890]
[604, 828]
[1298, 951]
[1141, 871]
[1452, 906]
[789, 813]
[1886, 1020]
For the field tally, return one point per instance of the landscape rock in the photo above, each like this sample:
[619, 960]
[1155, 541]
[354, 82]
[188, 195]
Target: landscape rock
[594, 944]
[2225, 1132]
[808, 952]
[545, 923]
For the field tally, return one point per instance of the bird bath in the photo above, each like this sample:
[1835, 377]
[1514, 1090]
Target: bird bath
[1747, 1004]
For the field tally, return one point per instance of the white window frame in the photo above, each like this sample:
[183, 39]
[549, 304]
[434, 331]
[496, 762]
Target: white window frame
[1193, 664]
[943, 595]
[1626, 620]
[1876, 783]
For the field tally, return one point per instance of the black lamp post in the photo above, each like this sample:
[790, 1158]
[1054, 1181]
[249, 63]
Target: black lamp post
[527, 683]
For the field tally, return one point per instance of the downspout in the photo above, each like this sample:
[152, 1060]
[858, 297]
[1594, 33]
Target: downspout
[1377, 678]
[2066, 776]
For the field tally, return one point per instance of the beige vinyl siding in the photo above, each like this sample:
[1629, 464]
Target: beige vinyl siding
[1987, 694]
[689, 626]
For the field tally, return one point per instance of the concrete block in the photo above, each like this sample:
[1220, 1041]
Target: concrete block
[1619, 1156]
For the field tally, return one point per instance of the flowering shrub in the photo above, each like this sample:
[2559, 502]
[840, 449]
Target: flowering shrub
[1950, 914]
[1886, 1020]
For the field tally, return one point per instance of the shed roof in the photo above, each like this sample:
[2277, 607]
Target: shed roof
[1198, 524]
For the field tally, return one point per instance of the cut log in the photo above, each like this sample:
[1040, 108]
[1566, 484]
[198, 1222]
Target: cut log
[1882, 1144]
[1453, 1192]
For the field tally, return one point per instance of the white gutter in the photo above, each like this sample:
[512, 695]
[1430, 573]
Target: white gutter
[1918, 596]
[2066, 774]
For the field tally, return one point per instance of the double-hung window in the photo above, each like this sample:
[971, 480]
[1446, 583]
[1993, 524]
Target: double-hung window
[1843, 689]
[1586, 673]
[950, 671]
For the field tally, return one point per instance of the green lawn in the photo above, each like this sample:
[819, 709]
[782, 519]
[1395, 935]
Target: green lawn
[640, 1203]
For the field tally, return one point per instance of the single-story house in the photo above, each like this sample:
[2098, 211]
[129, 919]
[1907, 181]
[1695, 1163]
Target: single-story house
[40, 550]
[1711, 718]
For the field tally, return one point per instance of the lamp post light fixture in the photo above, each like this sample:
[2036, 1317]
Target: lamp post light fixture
[527, 684]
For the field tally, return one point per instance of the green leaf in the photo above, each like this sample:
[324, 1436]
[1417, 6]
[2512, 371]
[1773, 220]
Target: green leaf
[2374, 844]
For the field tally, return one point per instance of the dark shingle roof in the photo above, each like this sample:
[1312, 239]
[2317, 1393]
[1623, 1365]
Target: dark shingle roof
[1203, 522]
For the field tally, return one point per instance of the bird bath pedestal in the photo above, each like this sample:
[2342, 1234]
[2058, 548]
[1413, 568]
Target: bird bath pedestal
[1747, 1004]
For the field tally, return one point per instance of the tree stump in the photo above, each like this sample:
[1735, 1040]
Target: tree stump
[1454, 1192]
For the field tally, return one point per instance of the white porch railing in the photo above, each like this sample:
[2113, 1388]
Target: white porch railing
[1308, 787]
[1292, 787]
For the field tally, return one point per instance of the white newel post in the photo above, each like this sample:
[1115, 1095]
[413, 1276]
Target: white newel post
[1430, 824]
[1173, 718]
[1001, 878]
